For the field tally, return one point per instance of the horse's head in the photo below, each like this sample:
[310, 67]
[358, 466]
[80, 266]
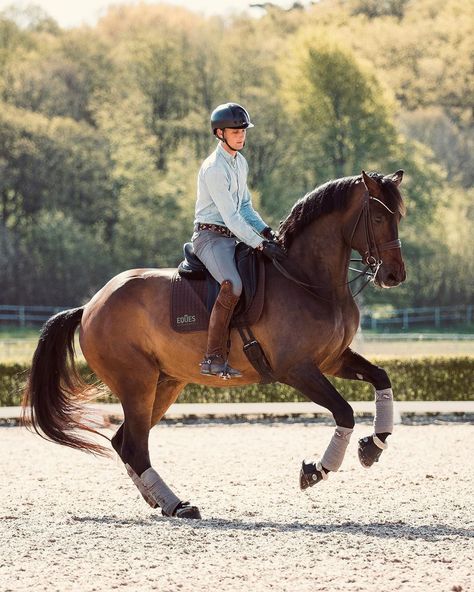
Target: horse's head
[375, 230]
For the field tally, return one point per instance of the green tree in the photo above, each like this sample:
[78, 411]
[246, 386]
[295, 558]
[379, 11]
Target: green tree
[154, 208]
[61, 75]
[60, 262]
[14, 44]
[8, 264]
[337, 107]
[169, 59]
[452, 145]
[102, 130]
[54, 163]
[31, 18]
[377, 8]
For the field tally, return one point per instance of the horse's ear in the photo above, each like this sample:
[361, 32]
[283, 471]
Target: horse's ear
[396, 177]
[372, 185]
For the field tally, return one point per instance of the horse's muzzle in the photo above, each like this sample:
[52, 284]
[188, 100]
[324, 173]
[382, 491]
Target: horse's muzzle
[390, 275]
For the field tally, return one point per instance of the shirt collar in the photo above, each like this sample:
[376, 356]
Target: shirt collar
[230, 159]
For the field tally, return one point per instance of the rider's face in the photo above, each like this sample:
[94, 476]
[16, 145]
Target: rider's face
[234, 137]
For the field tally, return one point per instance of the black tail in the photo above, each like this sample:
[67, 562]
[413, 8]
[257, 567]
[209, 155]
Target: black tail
[54, 391]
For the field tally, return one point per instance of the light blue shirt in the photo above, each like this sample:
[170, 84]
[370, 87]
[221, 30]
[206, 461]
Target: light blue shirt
[223, 196]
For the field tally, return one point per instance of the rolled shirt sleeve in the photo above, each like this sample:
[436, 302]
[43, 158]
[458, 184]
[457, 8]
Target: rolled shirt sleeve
[252, 217]
[244, 223]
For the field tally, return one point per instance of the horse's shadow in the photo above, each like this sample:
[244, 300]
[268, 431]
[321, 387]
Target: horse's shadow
[383, 530]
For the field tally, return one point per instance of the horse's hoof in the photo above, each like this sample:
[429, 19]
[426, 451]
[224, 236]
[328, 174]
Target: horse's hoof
[190, 512]
[185, 510]
[369, 451]
[310, 474]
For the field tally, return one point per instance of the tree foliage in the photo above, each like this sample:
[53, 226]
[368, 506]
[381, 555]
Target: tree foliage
[102, 131]
[337, 107]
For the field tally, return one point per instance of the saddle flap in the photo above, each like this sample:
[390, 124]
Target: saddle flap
[189, 311]
[194, 292]
[251, 269]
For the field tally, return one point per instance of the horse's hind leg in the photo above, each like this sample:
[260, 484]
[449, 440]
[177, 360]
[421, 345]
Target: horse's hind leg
[308, 379]
[166, 392]
[355, 367]
[137, 391]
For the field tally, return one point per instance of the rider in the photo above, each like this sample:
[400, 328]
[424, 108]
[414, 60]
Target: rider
[224, 215]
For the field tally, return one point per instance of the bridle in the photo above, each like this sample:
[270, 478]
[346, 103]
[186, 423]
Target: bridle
[372, 255]
[371, 259]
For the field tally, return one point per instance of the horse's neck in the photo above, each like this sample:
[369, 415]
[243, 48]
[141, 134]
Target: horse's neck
[321, 252]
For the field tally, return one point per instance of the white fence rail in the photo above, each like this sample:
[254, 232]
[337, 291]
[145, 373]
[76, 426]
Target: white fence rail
[417, 337]
[28, 315]
[406, 318]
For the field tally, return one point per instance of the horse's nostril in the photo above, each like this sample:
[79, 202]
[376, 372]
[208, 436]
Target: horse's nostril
[392, 279]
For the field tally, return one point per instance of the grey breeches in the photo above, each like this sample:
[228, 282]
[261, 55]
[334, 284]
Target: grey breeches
[217, 254]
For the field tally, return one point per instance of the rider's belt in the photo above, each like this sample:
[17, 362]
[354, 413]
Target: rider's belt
[214, 228]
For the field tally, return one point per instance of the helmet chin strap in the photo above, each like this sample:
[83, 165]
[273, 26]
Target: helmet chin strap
[224, 139]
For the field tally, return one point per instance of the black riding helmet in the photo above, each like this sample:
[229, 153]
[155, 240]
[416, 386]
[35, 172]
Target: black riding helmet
[230, 115]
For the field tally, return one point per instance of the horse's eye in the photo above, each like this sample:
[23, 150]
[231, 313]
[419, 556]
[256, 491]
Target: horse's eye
[378, 219]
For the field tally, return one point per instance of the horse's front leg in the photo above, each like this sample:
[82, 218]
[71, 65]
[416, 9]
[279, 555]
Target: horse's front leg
[355, 367]
[308, 379]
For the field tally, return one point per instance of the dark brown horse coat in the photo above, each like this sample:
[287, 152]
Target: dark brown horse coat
[127, 339]
[132, 314]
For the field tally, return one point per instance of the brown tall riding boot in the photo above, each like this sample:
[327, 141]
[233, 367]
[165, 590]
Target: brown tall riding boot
[215, 362]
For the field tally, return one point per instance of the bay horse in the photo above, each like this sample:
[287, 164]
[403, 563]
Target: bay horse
[308, 322]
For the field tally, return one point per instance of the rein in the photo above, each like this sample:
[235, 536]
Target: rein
[372, 258]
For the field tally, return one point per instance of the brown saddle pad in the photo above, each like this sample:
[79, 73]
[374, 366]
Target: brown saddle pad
[189, 304]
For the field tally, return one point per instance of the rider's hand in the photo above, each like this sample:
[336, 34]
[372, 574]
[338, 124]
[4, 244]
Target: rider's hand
[268, 233]
[272, 250]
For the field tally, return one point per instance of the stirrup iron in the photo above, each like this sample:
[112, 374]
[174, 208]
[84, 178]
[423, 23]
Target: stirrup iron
[216, 366]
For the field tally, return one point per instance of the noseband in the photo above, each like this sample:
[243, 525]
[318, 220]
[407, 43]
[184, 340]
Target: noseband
[371, 258]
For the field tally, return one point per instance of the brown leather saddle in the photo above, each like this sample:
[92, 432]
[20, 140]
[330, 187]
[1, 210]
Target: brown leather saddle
[194, 291]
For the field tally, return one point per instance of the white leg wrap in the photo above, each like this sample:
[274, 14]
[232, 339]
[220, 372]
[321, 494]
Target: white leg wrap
[378, 442]
[334, 455]
[158, 490]
[383, 420]
[319, 467]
